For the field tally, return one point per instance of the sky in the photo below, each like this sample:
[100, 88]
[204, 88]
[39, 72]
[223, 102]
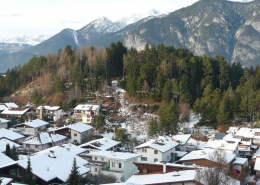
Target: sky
[48, 17]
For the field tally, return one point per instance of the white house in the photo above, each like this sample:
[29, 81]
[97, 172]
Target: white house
[52, 112]
[10, 135]
[32, 127]
[4, 142]
[157, 150]
[4, 123]
[86, 112]
[76, 133]
[102, 144]
[118, 164]
[43, 140]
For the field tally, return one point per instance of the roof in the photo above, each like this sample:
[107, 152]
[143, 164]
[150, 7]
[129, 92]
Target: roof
[240, 160]
[44, 138]
[5, 181]
[183, 139]
[36, 123]
[48, 168]
[3, 121]
[222, 144]
[15, 111]
[163, 144]
[192, 143]
[11, 105]
[257, 164]
[2, 107]
[115, 155]
[101, 144]
[206, 154]
[5, 159]
[187, 175]
[8, 134]
[220, 135]
[87, 107]
[4, 142]
[53, 108]
[80, 127]
[257, 153]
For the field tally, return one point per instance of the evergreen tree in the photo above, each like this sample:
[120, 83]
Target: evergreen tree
[167, 92]
[74, 177]
[14, 153]
[223, 113]
[153, 127]
[28, 175]
[8, 151]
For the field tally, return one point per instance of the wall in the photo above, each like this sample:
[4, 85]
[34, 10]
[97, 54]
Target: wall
[75, 138]
[151, 156]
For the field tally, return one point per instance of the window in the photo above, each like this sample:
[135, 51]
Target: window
[75, 134]
[143, 158]
[168, 157]
[119, 165]
[95, 158]
[96, 170]
[27, 146]
[36, 146]
[66, 134]
[113, 164]
[102, 159]
[144, 150]
[155, 159]
[155, 151]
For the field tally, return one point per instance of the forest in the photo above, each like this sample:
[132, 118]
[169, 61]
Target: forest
[211, 87]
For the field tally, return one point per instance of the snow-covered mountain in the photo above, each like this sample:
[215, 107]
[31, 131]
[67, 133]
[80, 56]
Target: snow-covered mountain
[34, 40]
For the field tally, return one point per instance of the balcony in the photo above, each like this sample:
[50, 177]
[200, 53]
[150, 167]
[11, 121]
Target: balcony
[107, 169]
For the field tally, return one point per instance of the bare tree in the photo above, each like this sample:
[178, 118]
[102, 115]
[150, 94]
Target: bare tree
[217, 173]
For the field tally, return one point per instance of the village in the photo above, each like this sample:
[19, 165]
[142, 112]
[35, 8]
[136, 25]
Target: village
[106, 156]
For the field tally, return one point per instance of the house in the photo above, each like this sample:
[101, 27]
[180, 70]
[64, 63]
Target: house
[206, 157]
[119, 164]
[102, 144]
[53, 113]
[10, 135]
[15, 112]
[182, 139]
[76, 133]
[193, 144]
[86, 113]
[228, 146]
[156, 150]
[4, 142]
[42, 141]
[240, 164]
[50, 166]
[32, 127]
[4, 123]
[4, 106]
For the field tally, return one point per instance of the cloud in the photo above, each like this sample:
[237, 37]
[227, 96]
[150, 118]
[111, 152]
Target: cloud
[3, 15]
[15, 15]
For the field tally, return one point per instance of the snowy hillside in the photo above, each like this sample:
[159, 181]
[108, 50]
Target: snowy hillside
[26, 39]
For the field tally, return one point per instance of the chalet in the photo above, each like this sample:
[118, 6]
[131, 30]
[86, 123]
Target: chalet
[10, 135]
[32, 127]
[15, 112]
[4, 142]
[76, 133]
[50, 166]
[119, 164]
[4, 123]
[53, 113]
[156, 150]
[42, 141]
[102, 144]
[86, 113]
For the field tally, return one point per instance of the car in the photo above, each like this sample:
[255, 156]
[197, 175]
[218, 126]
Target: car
[236, 171]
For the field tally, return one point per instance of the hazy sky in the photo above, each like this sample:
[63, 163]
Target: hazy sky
[48, 17]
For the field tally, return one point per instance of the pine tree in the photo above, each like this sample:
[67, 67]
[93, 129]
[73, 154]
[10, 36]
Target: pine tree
[153, 127]
[8, 151]
[14, 153]
[74, 177]
[28, 175]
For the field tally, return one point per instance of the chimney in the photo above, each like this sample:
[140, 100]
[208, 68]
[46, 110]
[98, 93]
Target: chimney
[51, 155]
[47, 168]
[68, 149]
[164, 167]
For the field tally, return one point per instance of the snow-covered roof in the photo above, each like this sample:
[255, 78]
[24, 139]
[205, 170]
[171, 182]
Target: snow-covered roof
[115, 155]
[240, 160]
[207, 154]
[87, 107]
[44, 138]
[80, 127]
[163, 144]
[53, 108]
[8, 134]
[199, 145]
[3, 121]
[11, 105]
[5, 181]
[15, 111]
[4, 160]
[229, 137]
[222, 144]
[2, 107]
[101, 144]
[36, 123]
[166, 178]
[257, 164]
[257, 153]
[48, 168]
[4, 142]
[183, 139]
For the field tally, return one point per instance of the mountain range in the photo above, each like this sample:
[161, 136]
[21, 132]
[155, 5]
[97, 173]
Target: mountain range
[210, 27]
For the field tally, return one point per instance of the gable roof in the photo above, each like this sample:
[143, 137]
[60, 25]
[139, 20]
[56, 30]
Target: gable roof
[36, 123]
[163, 144]
[4, 142]
[11, 105]
[182, 138]
[15, 111]
[44, 138]
[5, 159]
[2, 107]
[115, 155]
[8, 134]
[80, 127]
[101, 144]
